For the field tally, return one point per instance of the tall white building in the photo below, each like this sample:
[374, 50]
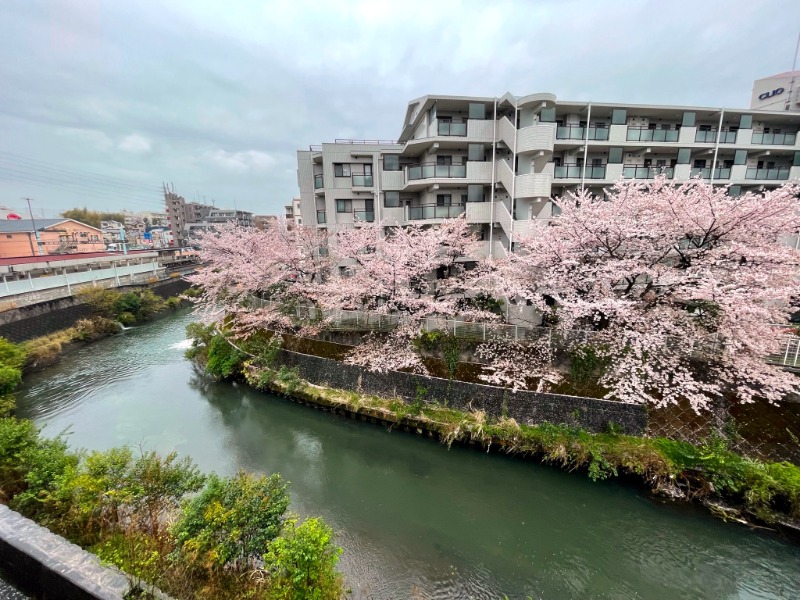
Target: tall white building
[502, 161]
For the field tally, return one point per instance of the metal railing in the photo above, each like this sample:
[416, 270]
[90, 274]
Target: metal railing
[368, 142]
[429, 170]
[319, 182]
[361, 320]
[709, 136]
[779, 173]
[576, 172]
[644, 134]
[361, 180]
[450, 128]
[364, 215]
[435, 211]
[578, 132]
[775, 139]
[642, 172]
[705, 172]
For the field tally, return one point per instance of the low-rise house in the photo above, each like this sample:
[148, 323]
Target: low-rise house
[24, 237]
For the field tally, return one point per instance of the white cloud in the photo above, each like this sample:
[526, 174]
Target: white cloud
[247, 160]
[135, 144]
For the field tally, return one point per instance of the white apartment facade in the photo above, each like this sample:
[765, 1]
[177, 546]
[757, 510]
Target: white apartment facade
[503, 161]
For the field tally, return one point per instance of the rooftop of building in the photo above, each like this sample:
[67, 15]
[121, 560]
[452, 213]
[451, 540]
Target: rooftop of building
[26, 225]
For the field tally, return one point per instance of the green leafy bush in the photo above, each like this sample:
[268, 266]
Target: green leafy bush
[223, 360]
[303, 562]
[233, 520]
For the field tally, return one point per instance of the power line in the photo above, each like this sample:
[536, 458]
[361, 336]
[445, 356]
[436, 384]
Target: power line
[74, 187]
[110, 179]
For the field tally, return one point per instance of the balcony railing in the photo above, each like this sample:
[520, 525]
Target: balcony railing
[643, 134]
[322, 217]
[362, 180]
[576, 172]
[776, 173]
[705, 172]
[318, 182]
[434, 211]
[640, 172]
[710, 136]
[775, 139]
[577, 132]
[429, 170]
[364, 215]
[450, 128]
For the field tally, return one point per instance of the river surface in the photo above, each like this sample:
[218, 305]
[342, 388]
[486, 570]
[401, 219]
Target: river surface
[415, 520]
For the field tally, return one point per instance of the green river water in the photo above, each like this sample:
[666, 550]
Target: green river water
[415, 520]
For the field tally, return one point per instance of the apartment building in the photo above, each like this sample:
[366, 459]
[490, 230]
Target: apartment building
[503, 161]
[292, 212]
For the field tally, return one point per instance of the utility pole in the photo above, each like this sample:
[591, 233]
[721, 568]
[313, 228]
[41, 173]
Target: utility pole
[33, 223]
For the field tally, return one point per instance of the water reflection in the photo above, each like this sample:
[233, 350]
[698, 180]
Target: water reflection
[412, 516]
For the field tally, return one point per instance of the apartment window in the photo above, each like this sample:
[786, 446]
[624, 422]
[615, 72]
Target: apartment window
[746, 122]
[344, 206]
[796, 160]
[475, 152]
[367, 169]
[735, 191]
[699, 163]
[444, 160]
[615, 156]
[740, 158]
[443, 199]
[475, 193]
[619, 116]
[391, 162]
[688, 119]
[391, 199]
[341, 170]
[547, 115]
[684, 156]
[9, 236]
[597, 162]
[477, 110]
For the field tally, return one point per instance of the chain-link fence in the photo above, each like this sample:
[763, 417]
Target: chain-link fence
[757, 430]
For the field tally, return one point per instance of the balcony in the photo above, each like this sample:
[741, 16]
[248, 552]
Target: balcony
[705, 172]
[362, 180]
[775, 139]
[435, 211]
[446, 128]
[576, 172]
[431, 170]
[640, 172]
[775, 174]
[321, 217]
[710, 136]
[643, 134]
[364, 215]
[319, 183]
[576, 132]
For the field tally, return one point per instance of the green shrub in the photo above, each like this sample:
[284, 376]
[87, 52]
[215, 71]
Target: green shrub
[303, 561]
[223, 360]
[233, 520]
[10, 378]
[126, 318]
[11, 355]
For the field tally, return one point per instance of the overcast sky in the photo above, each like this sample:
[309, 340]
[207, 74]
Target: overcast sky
[103, 100]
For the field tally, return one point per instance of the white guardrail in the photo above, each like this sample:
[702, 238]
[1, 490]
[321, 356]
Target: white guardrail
[359, 320]
[121, 274]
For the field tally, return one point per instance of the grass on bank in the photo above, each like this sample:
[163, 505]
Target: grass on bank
[768, 491]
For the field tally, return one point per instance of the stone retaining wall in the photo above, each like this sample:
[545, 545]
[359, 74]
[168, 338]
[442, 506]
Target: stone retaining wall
[35, 320]
[524, 406]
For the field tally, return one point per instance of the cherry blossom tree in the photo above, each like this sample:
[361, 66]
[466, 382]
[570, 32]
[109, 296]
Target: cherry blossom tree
[393, 271]
[678, 285]
[258, 276]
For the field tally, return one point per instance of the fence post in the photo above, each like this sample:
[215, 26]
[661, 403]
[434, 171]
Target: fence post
[484, 332]
[796, 352]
